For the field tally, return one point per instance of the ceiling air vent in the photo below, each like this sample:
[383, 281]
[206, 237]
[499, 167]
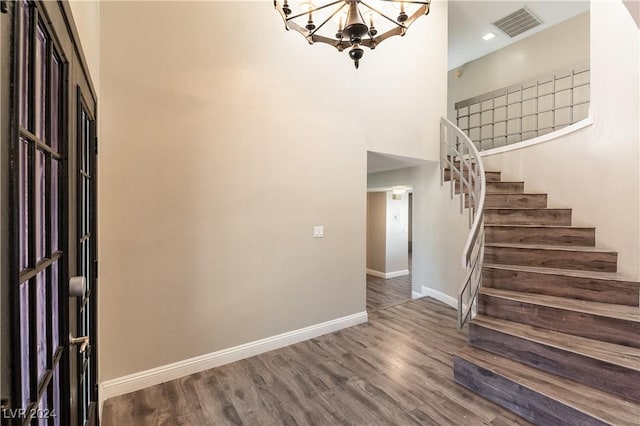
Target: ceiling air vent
[517, 23]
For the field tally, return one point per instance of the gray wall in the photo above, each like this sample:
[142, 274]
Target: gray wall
[220, 154]
[376, 231]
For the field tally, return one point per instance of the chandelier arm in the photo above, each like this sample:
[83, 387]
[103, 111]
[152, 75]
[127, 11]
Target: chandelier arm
[418, 13]
[315, 10]
[340, 45]
[299, 29]
[281, 12]
[383, 15]
[327, 20]
[408, 1]
[372, 43]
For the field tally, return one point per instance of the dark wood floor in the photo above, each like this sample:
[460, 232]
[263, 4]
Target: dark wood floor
[383, 293]
[394, 370]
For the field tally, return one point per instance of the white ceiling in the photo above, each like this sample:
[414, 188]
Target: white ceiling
[470, 20]
[378, 162]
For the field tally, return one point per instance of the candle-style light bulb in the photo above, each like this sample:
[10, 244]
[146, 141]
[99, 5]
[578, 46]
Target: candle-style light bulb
[369, 17]
[307, 7]
[402, 17]
[285, 8]
[340, 18]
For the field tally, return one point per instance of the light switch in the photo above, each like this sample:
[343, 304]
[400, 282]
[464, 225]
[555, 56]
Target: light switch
[318, 231]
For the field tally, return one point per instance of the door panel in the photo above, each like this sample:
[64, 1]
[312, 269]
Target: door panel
[39, 351]
[85, 311]
[52, 222]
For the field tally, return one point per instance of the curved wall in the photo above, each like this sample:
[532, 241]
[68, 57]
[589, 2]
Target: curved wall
[596, 170]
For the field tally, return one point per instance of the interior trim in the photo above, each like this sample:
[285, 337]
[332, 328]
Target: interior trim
[387, 275]
[143, 379]
[540, 139]
[436, 294]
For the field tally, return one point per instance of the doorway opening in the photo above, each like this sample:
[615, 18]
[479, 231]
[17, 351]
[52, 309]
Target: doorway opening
[393, 187]
[388, 247]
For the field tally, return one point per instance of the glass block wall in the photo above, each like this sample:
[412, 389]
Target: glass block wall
[526, 110]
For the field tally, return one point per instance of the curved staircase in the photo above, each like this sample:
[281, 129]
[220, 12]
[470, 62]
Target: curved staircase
[557, 336]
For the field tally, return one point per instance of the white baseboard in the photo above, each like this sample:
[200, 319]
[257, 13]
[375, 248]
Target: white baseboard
[375, 273]
[165, 373]
[440, 296]
[400, 273]
[415, 295]
[387, 275]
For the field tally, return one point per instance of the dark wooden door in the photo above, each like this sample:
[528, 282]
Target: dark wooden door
[52, 222]
[82, 316]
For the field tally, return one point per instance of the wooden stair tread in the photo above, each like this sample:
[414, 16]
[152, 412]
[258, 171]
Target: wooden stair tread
[498, 225]
[502, 183]
[551, 343]
[525, 208]
[509, 181]
[550, 247]
[543, 232]
[610, 276]
[622, 355]
[622, 312]
[595, 403]
[519, 194]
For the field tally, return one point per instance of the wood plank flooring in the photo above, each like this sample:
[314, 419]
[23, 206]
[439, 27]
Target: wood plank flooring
[383, 293]
[394, 370]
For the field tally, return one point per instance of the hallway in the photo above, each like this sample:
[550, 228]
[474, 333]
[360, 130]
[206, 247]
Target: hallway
[395, 369]
[383, 293]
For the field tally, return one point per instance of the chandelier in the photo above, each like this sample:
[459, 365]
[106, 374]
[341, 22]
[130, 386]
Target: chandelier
[350, 23]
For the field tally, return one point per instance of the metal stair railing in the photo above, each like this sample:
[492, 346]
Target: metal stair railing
[460, 156]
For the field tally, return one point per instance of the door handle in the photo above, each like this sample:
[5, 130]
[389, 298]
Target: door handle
[77, 286]
[82, 341]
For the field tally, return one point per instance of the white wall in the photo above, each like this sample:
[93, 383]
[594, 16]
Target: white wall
[397, 231]
[439, 230]
[596, 170]
[224, 141]
[410, 220]
[402, 89]
[561, 46]
[86, 15]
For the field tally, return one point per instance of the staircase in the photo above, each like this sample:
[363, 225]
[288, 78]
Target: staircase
[556, 338]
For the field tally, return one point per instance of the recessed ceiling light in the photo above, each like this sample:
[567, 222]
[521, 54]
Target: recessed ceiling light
[488, 36]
